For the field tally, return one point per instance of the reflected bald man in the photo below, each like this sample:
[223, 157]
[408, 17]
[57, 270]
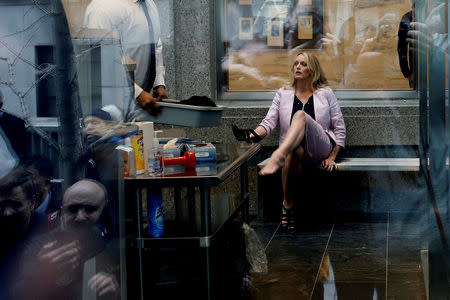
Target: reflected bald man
[83, 204]
[55, 264]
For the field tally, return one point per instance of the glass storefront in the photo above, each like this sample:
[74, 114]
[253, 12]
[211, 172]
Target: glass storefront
[86, 213]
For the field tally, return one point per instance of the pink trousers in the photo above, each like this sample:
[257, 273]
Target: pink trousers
[318, 143]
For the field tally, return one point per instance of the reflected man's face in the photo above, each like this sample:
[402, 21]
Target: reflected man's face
[387, 26]
[95, 126]
[387, 29]
[15, 213]
[82, 205]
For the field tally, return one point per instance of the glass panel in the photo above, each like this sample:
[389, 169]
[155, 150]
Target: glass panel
[360, 234]
[64, 95]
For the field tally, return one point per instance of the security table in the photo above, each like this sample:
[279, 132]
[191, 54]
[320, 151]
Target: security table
[230, 158]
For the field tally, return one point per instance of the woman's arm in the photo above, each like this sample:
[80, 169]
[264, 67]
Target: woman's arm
[337, 120]
[339, 130]
[271, 119]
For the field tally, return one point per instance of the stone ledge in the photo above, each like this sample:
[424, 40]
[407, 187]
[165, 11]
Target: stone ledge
[398, 164]
[372, 125]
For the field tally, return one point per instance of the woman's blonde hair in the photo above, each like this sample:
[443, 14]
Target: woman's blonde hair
[318, 77]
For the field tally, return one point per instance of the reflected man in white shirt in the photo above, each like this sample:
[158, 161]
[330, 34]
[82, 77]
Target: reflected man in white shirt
[137, 24]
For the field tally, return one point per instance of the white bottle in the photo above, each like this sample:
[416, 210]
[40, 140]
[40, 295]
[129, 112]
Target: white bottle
[155, 161]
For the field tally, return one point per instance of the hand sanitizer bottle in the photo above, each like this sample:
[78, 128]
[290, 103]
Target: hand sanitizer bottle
[155, 160]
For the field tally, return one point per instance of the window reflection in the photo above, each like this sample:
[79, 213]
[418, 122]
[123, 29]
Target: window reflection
[356, 41]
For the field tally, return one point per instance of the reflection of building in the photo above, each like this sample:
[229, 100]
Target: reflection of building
[29, 63]
[26, 56]
[99, 67]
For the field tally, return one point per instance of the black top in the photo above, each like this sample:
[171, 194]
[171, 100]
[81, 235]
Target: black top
[11, 254]
[309, 107]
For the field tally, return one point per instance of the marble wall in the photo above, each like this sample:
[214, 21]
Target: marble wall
[194, 59]
[369, 125]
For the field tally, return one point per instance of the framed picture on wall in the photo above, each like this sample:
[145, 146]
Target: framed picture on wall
[275, 33]
[305, 27]
[245, 2]
[246, 28]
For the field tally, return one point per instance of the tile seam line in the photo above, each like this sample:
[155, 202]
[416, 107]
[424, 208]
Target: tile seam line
[387, 255]
[271, 238]
[321, 261]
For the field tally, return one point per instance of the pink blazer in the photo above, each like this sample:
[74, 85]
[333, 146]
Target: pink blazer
[326, 109]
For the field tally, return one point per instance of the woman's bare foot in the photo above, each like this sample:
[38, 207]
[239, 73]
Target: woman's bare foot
[276, 162]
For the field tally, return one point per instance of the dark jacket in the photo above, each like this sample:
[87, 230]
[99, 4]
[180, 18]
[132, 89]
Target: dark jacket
[405, 48]
[14, 129]
[10, 255]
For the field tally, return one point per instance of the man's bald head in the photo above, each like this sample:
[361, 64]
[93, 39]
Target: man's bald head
[83, 203]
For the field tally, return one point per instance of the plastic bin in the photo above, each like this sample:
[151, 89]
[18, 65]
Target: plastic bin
[187, 115]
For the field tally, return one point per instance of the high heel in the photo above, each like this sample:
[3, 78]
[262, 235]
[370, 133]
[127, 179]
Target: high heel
[244, 135]
[287, 219]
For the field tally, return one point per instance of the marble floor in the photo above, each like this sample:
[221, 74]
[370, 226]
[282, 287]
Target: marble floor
[368, 258]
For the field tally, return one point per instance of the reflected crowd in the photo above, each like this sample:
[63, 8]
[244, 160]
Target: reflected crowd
[56, 255]
[58, 245]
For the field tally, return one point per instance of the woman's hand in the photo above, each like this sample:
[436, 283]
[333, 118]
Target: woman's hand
[329, 164]
[261, 131]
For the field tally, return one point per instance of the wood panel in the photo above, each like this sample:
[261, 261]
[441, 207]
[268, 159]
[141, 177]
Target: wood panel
[75, 10]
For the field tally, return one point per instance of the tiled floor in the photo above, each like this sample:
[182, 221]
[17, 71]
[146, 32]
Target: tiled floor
[342, 260]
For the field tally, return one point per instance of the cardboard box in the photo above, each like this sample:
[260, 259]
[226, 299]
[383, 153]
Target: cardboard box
[129, 160]
[203, 152]
[206, 168]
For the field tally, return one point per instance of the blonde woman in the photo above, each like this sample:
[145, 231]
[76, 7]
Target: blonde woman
[311, 128]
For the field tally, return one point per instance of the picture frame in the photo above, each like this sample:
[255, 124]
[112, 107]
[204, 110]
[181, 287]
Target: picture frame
[304, 2]
[305, 27]
[276, 11]
[246, 28]
[275, 33]
[245, 2]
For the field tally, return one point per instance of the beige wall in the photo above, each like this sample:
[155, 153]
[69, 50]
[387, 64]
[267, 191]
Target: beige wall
[75, 13]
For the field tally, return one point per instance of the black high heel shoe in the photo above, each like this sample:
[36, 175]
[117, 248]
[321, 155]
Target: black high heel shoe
[244, 135]
[287, 219]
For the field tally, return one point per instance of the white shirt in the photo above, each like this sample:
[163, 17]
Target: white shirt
[128, 20]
